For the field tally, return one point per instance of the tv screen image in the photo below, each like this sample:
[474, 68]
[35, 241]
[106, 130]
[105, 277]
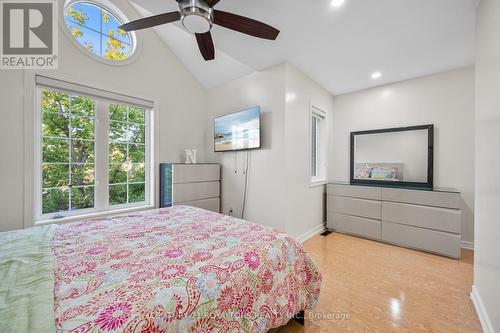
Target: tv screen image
[238, 131]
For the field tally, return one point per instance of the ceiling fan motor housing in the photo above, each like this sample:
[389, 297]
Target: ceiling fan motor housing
[196, 16]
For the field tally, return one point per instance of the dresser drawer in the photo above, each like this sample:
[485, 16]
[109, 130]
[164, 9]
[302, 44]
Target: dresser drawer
[418, 197]
[195, 191]
[208, 204]
[357, 207]
[192, 173]
[422, 239]
[355, 225]
[449, 220]
[360, 192]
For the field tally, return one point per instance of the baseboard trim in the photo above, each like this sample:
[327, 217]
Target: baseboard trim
[467, 245]
[481, 311]
[311, 233]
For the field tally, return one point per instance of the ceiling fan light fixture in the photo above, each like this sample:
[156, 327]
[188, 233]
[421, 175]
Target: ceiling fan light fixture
[196, 16]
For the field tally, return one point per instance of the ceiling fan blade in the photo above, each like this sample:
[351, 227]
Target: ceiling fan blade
[212, 3]
[206, 45]
[245, 25]
[151, 21]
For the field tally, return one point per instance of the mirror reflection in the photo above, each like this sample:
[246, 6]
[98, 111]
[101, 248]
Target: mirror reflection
[391, 156]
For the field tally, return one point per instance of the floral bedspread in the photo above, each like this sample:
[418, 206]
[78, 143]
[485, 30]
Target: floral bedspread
[178, 269]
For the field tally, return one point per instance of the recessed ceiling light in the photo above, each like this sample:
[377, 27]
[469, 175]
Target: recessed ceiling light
[290, 97]
[376, 75]
[337, 3]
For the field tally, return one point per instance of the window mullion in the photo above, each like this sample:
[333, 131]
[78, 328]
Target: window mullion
[148, 158]
[70, 157]
[318, 147]
[102, 147]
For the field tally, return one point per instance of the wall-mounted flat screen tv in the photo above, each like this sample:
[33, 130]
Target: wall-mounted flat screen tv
[238, 131]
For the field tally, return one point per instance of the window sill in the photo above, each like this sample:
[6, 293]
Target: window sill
[316, 183]
[93, 215]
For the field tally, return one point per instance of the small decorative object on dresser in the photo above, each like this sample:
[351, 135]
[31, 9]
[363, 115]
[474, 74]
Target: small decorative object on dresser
[191, 156]
[428, 220]
[196, 185]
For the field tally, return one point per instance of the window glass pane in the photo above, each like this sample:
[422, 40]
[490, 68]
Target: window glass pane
[55, 175]
[96, 28]
[55, 150]
[82, 106]
[136, 173]
[82, 174]
[110, 27]
[82, 197]
[114, 49]
[127, 160]
[82, 151]
[84, 14]
[137, 153]
[136, 115]
[137, 192]
[89, 39]
[54, 101]
[55, 124]
[314, 124]
[117, 131]
[117, 173]
[118, 112]
[59, 112]
[117, 194]
[117, 153]
[55, 200]
[82, 127]
[136, 133]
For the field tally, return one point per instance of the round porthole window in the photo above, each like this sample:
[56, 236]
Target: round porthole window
[95, 27]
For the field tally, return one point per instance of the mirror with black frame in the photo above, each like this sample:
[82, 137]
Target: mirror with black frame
[402, 156]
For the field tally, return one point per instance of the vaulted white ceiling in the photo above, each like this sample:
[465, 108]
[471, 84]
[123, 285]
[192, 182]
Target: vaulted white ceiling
[337, 47]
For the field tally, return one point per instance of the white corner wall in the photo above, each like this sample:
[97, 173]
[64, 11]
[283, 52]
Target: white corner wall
[486, 290]
[279, 191]
[305, 205]
[445, 100]
[156, 74]
[266, 181]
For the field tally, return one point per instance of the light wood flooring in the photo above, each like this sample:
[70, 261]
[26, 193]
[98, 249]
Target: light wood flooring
[383, 288]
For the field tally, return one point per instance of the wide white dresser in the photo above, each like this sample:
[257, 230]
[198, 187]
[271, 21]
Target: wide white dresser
[428, 220]
[196, 185]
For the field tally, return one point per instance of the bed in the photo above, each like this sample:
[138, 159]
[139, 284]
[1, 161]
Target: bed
[178, 269]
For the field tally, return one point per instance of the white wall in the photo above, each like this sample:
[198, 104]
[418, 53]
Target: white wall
[445, 100]
[266, 182]
[487, 212]
[156, 74]
[305, 204]
[279, 192]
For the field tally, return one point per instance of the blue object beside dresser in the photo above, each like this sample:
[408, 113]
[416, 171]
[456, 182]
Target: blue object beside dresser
[196, 185]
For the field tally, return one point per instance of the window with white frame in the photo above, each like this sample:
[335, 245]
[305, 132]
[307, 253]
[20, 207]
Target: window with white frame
[95, 26]
[94, 153]
[318, 145]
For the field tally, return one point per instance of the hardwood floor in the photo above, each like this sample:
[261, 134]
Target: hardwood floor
[383, 288]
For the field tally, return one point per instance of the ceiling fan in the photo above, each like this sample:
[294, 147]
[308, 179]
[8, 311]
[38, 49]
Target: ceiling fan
[198, 17]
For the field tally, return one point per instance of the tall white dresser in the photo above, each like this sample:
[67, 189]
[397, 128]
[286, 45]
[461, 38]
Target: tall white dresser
[196, 185]
[428, 220]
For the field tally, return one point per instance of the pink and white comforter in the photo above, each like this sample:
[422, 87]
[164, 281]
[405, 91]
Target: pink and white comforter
[179, 269]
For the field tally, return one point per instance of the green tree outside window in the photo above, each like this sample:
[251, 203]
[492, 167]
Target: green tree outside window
[95, 28]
